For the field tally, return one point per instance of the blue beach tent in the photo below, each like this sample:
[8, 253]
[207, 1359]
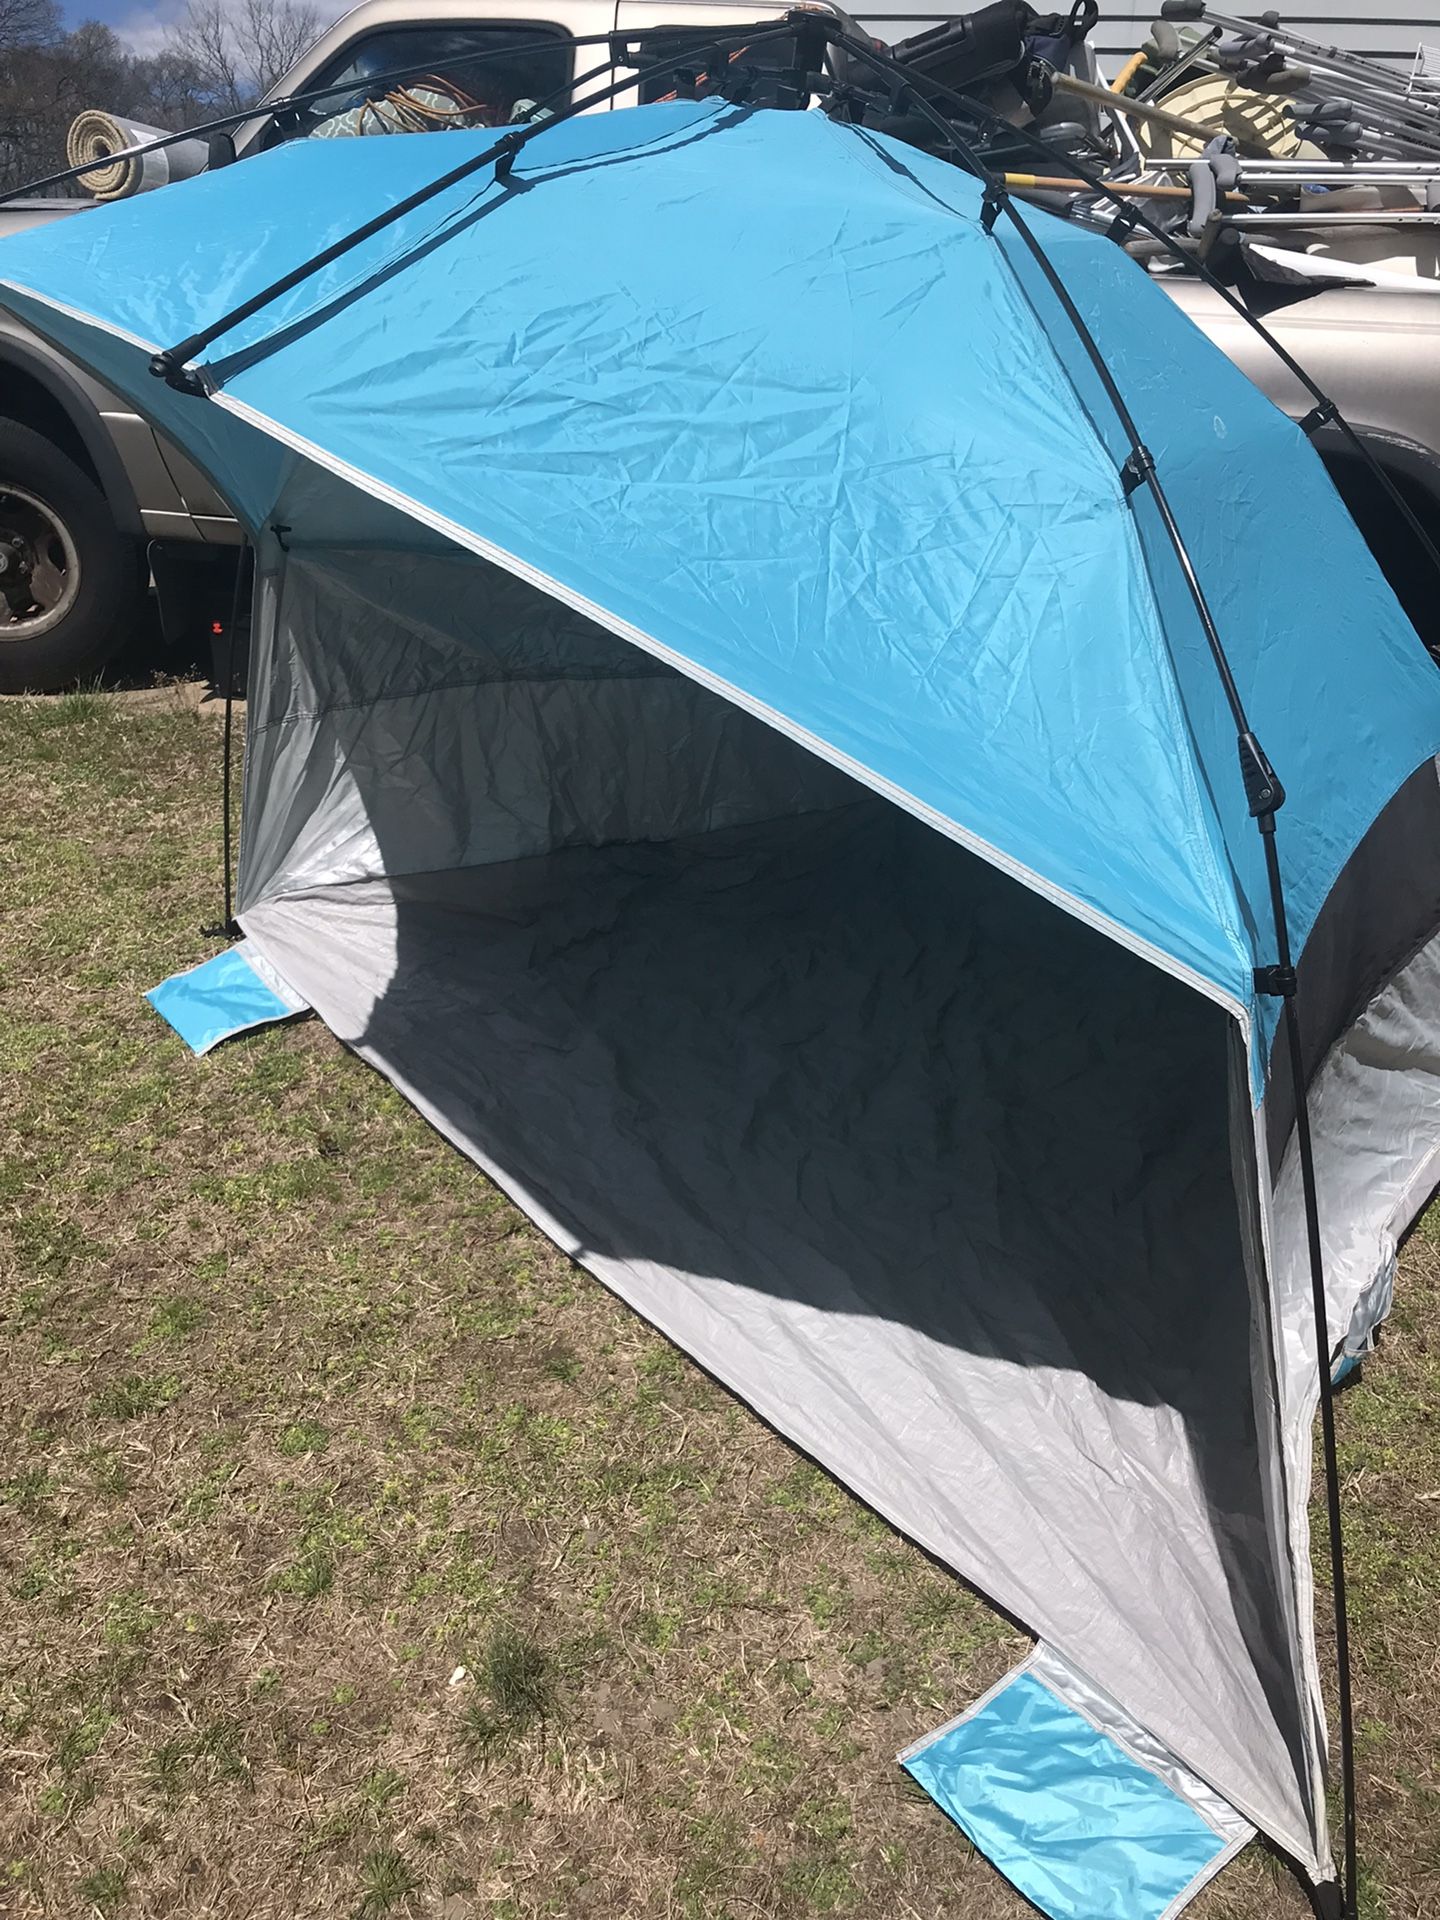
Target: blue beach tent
[724, 740]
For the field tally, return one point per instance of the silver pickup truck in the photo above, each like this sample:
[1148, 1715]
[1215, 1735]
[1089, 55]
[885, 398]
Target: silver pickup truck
[93, 503]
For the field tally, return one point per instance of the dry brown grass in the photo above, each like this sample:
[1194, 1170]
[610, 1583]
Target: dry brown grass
[301, 1418]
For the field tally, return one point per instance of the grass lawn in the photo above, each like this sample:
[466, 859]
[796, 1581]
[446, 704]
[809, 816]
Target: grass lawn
[360, 1556]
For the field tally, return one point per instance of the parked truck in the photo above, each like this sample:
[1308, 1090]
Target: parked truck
[94, 504]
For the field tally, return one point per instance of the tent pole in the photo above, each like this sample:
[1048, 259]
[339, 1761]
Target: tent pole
[171, 364]
[1284, 983]
[1324, 412]
[1265, 796]
[229, 927]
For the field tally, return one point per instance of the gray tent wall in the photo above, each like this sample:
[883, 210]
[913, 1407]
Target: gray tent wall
[1374, 1105]
[942, 1182]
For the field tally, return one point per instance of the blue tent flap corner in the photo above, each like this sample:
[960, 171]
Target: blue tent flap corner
[1082, 1811]
[223, 996]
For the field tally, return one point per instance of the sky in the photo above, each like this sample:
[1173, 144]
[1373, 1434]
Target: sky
[142, 24]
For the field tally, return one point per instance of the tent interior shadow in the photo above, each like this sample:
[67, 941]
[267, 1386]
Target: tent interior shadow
[888, 1120]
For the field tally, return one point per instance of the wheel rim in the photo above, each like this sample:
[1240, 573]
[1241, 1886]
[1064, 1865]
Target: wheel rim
[39, 566]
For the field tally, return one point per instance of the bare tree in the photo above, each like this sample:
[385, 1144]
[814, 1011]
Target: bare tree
[238, 49]
[28, 23]
[175, 94]
[206, 38]
[223, 56]
[278, 32]
[30, 109]
[46, 81]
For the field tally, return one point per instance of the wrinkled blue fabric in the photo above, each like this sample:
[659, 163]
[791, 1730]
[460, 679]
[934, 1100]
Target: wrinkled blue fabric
[1082, 1830]
[216, 1000]
[760, 389]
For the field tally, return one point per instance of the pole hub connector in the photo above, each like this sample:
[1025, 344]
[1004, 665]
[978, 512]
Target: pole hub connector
[1263, 790]
[1320, 415]
[170, 367]
[1138, 469]
[1279, 983]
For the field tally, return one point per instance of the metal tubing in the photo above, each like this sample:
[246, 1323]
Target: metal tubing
[1252, 29]
[1401, 116]
[1379, 171]
[1324, 405]
[1273, 176]
[1371, 100]
[1419, 218]
[1364, 76]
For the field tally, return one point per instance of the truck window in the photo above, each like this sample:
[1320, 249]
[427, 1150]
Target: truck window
[688, 46]
[474, 77]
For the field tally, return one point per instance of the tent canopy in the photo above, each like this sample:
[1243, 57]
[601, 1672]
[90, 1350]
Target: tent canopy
[732, 376]
[723, 741]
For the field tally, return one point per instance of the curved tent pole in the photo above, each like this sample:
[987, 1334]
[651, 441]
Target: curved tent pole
[1265, 797]
[1325, 411]
[288, 102]
[171, 364]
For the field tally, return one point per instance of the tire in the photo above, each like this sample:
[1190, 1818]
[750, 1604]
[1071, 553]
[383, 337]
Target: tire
[70, 583]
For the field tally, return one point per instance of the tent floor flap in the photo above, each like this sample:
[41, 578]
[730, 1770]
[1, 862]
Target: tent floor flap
[1083, 1811]
[228, 994]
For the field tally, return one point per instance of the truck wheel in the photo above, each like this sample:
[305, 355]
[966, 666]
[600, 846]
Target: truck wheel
[70, 583]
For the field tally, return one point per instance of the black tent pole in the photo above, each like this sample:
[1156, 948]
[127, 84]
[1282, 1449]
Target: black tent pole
[1265, 796]
[1305, 1150]
[229, 927]
[170, 365]
[290, 102]
[1325, 411]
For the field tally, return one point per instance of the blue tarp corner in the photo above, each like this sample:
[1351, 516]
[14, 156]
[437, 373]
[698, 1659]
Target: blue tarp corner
[223, 996]
[1087, 1823]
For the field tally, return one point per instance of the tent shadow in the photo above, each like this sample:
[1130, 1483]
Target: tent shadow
[858, 1093]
